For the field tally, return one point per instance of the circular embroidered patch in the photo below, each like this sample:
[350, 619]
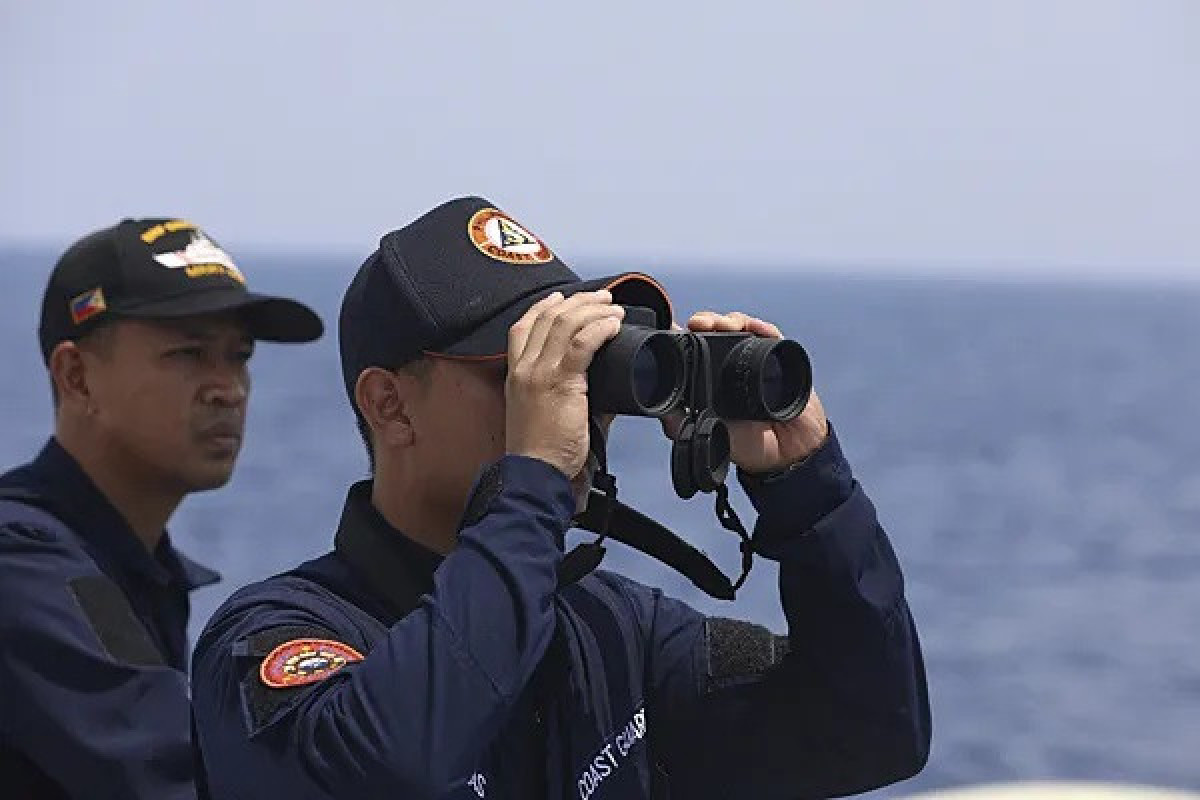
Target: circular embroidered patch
[304, 661]
[498, 235]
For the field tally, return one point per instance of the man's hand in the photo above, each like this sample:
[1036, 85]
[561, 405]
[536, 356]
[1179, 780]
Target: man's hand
[549, 351]
[759, 447]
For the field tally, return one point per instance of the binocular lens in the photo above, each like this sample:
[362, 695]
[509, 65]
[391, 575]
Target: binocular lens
[784, 380]
[640, 372]
[657, 372]
[774, 389]
[761, 378]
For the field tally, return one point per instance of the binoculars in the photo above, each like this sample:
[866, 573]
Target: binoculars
[706, 378]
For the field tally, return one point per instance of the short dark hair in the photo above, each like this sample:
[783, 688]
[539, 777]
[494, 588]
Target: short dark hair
[98, 338]
[420, 368]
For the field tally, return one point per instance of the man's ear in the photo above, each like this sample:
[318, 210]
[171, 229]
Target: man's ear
[385, 401]
[69, 374]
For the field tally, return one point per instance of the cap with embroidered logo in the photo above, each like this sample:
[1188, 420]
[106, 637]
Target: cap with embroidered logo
[453, 282]
[159, 268]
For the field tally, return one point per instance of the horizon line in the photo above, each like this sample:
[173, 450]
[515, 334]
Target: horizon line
[967, 268]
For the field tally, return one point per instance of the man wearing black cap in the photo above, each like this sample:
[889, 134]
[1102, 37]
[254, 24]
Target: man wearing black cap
[146, 329]
[440, 652]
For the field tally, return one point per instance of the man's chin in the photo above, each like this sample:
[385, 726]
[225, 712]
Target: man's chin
[208, 477]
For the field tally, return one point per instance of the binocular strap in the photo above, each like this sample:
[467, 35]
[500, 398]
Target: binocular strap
[608, 517]
[635, 529]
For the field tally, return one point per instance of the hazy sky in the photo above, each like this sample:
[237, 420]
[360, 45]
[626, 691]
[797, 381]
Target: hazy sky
[1011, 134]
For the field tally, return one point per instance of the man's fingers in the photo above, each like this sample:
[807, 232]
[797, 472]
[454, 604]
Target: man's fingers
[561, 340]
[732, 322]
[541, 326]
[584, 343]
[546, 318]
[760, 327]
[710, 321]
[518, 334]
[702, 321]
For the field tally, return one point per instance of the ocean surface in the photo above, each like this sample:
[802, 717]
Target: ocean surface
[1033, 450]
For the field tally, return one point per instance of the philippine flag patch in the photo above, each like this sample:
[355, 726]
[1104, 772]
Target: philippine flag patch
[87, 305]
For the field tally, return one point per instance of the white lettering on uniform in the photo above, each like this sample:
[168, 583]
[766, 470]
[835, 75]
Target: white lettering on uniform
[606, 762]
[635, 731]
[478, 783]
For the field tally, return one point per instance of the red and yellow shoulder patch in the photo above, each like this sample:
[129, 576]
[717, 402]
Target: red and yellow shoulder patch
[304, 661]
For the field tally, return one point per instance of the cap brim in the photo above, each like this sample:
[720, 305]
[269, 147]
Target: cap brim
[489, 341]
[272, 319]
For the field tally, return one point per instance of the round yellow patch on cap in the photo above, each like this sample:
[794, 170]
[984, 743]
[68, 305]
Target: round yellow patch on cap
[499, 236]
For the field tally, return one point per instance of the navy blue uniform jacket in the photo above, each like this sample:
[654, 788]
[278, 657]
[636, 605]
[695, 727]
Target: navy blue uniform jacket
[93, 644]
[480, 677]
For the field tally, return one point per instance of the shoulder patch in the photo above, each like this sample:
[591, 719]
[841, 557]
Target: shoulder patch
[113, 621]
[299, 662]
[740, 651]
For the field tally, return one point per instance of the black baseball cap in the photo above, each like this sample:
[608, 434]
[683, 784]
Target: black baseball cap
[158, 269]
[453, 282]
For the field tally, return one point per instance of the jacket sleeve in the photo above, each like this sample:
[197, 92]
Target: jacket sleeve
[413, 717]
[838, 706]
[86, 697]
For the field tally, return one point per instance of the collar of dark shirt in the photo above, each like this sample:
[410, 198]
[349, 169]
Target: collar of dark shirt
[395, 567]
[56, 476]
[397, 571]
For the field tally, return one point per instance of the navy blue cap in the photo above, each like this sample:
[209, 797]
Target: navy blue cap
[158, 268]
[453, 282]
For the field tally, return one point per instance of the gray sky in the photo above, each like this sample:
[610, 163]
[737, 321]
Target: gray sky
[1019, 135]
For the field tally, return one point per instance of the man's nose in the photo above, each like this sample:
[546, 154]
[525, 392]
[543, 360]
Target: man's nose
[229, 386]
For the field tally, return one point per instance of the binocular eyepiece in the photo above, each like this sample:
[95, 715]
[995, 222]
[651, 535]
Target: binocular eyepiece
[709, 378]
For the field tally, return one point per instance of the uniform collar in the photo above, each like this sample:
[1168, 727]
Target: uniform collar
[395, 568]
[58, 478]
[191, 574]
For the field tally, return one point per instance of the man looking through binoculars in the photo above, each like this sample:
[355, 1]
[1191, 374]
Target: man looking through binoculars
[448, 647]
